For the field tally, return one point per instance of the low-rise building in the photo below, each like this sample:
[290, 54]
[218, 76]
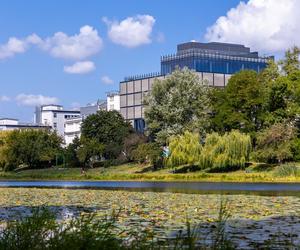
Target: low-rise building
[113, 101]
[54, 116]
[13, 124]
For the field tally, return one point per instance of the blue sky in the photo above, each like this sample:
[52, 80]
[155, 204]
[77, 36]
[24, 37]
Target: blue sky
[103, 41]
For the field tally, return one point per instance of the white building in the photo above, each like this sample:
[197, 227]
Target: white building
[13, 124]
[55, 117]
[73, 124]
[72, 129]
[113, 101]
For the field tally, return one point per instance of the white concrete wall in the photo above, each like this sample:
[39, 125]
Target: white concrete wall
[9, 122]
[113, 102]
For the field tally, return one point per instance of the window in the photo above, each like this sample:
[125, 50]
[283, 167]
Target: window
[54, 115]
[55, 125]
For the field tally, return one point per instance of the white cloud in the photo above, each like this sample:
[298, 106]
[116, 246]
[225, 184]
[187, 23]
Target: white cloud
[77, 47]
[17, 46]
[35, 100]
[132, 31]
[80, 67]
[266, 25]
[4, 98]
[106, 80]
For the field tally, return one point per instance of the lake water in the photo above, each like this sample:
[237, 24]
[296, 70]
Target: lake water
[178, 187]
[259, 211]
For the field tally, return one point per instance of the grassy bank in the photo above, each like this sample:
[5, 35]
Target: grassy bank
[143, 173]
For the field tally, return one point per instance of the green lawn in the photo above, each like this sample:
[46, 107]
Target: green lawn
[138, 172]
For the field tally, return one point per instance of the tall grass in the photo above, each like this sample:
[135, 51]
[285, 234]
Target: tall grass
[287, 170]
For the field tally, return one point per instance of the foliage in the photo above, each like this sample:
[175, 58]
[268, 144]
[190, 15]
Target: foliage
[4, 135]
[291, 63]
[287, 169]
[240, 105]
[107, 128]
[225, 152]
[275, 144]
[71, 153]
[185, 149]
[33, 148]
[89, 151]
[178, 103]
[148, 153]
[131, 142]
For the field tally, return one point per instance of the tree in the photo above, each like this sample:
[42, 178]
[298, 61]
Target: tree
[176, 104]
[148, 153]
[71, 153]
[291, 63]
[90, 150]
[33, 148]
[240, 105]
[225, 152]
[275, 144]
[107, 128]
[184, 149]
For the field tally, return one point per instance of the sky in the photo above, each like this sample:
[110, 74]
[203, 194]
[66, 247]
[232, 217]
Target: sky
[71, 52]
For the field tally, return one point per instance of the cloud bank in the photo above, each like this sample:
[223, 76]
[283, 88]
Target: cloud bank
[35, 100]
[265, 25]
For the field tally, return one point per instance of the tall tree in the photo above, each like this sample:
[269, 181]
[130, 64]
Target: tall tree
[108, 128]
[240, 105]
[178, 103]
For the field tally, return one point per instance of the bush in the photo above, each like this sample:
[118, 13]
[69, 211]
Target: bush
[225, 152]
[148, 153]
[288, 169]
[276, 143]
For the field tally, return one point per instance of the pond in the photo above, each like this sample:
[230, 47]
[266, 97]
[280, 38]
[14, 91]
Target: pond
[178, 187]
[255, 219]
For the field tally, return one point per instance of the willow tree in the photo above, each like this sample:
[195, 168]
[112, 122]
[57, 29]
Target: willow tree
[178, 103]
[225, 152]
[184, 149]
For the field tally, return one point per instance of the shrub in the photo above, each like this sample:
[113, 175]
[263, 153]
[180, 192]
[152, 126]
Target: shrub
[148, 153]
[288, 169]
[275, 144]
[185, 149]
[227, 152]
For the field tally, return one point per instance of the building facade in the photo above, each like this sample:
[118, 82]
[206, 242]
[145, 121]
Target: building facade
[72, 129]
[54, 116]
[213, 62]
[14, 124]
[113, 101]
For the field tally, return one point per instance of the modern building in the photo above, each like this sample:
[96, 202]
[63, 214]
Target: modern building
[113, 101]
[92, 108]
[213, 62]
[13, 124]
[54, 116]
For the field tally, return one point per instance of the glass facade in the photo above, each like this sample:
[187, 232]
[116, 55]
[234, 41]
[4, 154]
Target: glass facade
[213, 58]
[213, 62]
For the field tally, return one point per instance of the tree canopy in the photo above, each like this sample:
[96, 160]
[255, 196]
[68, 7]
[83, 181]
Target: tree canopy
[178, 103]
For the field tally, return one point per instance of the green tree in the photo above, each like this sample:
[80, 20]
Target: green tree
[71, 153]
[225, 152]
[33, 148]
[291, 63]
[275, 144]
[184, 149]
[107, 128]
[240, 105]
[178, 103]
[90, 151]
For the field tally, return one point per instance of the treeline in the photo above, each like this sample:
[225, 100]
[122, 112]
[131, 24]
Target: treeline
[254, 118]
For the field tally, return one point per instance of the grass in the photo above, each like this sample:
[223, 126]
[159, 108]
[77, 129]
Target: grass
[135, 172]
